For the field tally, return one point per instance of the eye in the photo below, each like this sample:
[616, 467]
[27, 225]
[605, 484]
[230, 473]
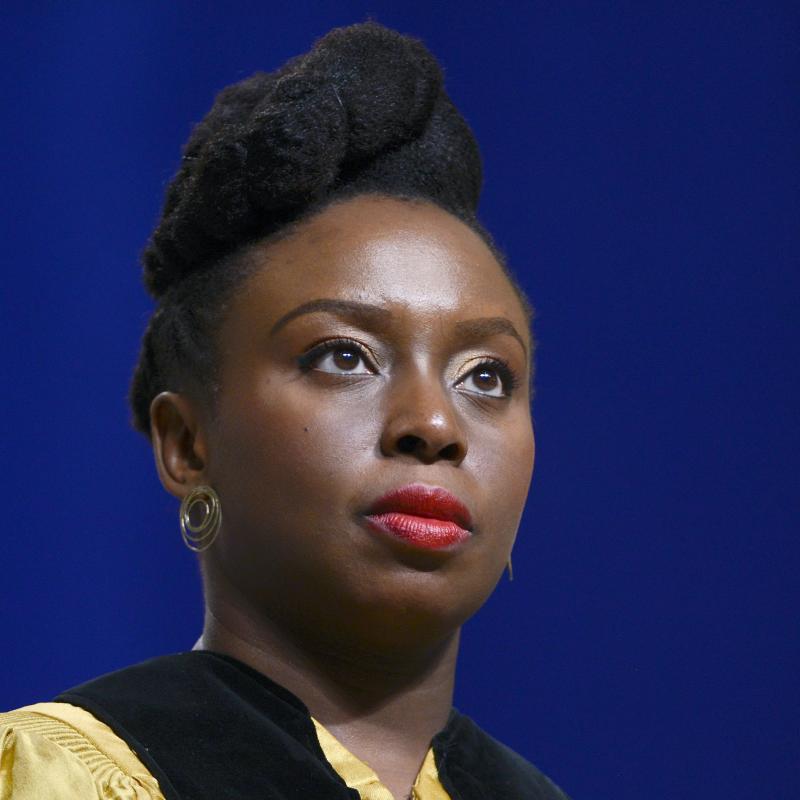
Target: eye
[339, 357]
[491, 379]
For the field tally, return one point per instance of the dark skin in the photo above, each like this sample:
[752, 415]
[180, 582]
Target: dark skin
[302, 440]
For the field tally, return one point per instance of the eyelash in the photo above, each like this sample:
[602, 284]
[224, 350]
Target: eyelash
[508, 378]
[308, 359]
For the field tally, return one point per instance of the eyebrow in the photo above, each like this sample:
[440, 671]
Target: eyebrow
[478, 328]
[338, 307]
[483, 327]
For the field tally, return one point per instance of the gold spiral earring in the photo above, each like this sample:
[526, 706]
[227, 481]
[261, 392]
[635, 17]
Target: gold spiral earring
[200, 535]
[510, 569]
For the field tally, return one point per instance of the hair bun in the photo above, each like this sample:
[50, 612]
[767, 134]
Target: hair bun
[387, 84]
[364, 108]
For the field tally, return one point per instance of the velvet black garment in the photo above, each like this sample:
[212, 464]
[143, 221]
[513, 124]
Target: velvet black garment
[209, 726]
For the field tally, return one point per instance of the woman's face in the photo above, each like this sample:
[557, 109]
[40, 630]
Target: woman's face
[380, 346]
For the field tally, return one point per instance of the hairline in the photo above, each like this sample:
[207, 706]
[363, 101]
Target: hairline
[233, 270]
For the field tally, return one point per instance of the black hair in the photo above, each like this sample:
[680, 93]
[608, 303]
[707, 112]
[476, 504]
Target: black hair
[364, 112]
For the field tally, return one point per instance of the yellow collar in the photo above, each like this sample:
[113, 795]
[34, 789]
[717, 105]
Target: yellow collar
[361, 777]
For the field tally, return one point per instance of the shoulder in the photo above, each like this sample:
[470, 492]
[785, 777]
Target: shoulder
[176, 678]
[158, 699]
[189, 716]
[467, 756]
[58, 750]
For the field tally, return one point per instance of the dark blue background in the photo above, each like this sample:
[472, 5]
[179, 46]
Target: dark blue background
[642, 174]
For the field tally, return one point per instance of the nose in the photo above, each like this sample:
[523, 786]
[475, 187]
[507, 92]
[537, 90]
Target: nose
[421, 422]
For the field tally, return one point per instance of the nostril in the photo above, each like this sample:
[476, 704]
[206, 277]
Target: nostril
[451, 452]
[415, 445]
[408, 444]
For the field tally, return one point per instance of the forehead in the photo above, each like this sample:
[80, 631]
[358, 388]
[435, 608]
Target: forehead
[411, 257]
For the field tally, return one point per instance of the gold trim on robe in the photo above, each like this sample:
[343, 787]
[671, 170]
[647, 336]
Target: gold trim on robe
[60, 751]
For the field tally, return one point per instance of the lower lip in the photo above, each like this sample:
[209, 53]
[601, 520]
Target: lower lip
[429, 534]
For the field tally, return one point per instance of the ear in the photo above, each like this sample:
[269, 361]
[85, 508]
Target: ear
[179, 443]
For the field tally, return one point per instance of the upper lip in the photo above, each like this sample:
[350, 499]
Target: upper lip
[423, 501]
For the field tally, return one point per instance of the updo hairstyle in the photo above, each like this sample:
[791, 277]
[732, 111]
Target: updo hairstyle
[364, 112]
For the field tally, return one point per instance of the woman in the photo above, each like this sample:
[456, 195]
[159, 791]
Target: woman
[336, 386]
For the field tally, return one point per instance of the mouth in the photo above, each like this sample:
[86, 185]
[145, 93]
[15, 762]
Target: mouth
[421, 516]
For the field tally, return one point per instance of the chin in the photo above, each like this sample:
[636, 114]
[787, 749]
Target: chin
[414, 609]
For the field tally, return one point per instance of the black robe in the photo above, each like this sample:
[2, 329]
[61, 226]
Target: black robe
[208, 726]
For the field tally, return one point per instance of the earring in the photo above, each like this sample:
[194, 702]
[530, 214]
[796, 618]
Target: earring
[509, 569]
[200, 535]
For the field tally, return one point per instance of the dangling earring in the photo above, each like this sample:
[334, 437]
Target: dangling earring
[509, 569]
[200, 535]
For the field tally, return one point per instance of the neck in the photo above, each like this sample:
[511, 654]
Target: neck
[385, 708]
[341, 684]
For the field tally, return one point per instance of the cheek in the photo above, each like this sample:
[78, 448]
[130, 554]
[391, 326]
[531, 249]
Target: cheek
[503, 462]
[520, 478]
[288, 458]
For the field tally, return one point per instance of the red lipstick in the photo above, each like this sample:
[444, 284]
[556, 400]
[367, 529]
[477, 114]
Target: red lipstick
[423, 516]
